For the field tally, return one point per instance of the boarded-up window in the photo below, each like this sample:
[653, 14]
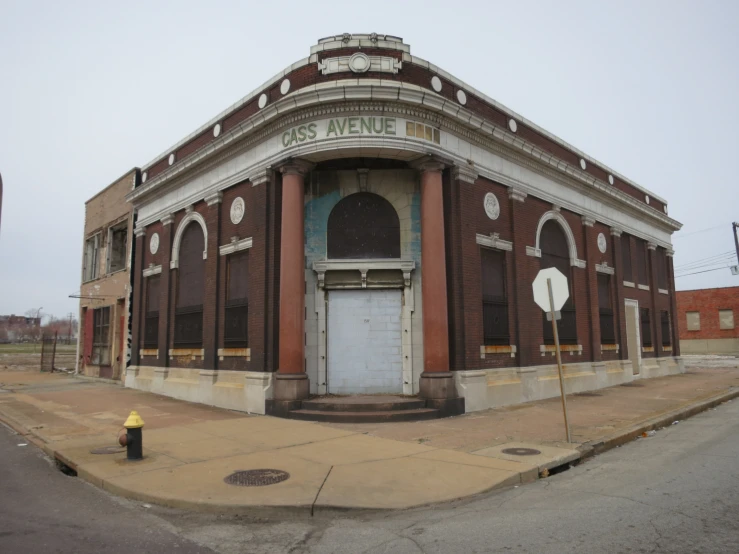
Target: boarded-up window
[605, 308]
[555, 252]
[101, 337]
[91, 262]
[188, 332]
[117, 242]
[641, 262]
[665, 323]
[626, 258]
[151, 320]
[237, 301]
[361, 226]
[726, 319]
[693, 320]
[646, 328]
[494, 298]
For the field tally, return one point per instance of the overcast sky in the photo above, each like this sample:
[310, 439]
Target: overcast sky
[89, 90]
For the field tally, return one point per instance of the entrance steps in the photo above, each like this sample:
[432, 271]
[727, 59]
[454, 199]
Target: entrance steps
[364, 409]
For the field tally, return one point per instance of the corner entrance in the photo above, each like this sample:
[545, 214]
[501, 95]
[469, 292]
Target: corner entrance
[364, 342]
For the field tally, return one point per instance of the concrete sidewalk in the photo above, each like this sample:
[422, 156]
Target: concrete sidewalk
[190, 448]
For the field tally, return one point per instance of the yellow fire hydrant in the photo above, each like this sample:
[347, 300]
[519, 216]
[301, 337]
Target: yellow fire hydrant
[132, 440]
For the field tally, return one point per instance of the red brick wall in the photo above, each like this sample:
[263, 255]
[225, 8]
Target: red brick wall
[708, 302]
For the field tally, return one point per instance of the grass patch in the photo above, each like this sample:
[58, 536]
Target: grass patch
[28, 348]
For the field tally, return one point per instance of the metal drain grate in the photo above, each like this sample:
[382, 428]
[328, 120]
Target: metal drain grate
[108, 450]
[521, 451]
[257, 477]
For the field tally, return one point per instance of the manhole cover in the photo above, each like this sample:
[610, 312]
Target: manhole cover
[521, 451]
[257, 477]
[107, 450]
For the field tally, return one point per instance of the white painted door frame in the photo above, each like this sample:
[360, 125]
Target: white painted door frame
[628, 302]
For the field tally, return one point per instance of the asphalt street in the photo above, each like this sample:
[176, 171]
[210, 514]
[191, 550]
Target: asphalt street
[674, 492]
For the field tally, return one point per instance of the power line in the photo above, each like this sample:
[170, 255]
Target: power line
[679, 236]
[704, 271]
[705, 263]
[707, 259]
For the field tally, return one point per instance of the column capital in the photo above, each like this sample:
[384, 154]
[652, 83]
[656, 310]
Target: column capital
[465, 173]
[651, 246]
[259, 176]
[670, 252]
[588, 221]
[214, 198]
[616, 232]
[429, 163]
[167, 219]
[295, 166]
[139, 232]
[517, 194]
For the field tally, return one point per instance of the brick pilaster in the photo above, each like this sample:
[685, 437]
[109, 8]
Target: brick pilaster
[673, 304]
[655, 320]
[212, 266]
[591, 279]
[136, 315]
[164, 294]
[528, 328]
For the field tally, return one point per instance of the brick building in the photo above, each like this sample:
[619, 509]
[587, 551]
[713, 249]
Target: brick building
[707, 321]
[103, 339]
[366, 223]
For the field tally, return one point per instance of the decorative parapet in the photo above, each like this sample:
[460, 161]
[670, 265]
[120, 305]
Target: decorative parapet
[359, 63]
[363, 267]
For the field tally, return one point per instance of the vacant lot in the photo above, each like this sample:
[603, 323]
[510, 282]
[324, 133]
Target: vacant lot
[27, 357]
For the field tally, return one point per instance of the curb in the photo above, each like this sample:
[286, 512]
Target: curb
[598, 446]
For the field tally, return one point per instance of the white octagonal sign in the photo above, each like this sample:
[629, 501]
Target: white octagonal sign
[560, 290]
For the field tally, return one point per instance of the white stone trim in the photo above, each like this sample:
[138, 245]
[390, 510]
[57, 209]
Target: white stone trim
[517, 194]
[559, 218]
[651, 246]
[259, 176]
[582, 264]
[604, 268]
[377, 64]
[503, 349]
[152, 270]
[364, 266]
[167, 219]
[616, 232]
[629, 284]
[663, 291]
[139, 232]
[643, 287]
[235, 245]
[572, 349]
[588, 221]
[610, 348]
[189, 217]
[465, 173]
[214, 198]
[533, 251]
[493, 241]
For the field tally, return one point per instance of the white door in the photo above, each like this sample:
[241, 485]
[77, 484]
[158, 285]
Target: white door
[364, 342]
[633, 339]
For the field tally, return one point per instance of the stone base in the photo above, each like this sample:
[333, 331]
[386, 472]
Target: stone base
[439, 385]
[281, 408]
[447, 406]
[291, 386]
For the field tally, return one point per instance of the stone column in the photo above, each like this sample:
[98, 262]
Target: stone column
[618, 283]
[592, 284]
[655, 320]
[212, 267]
[291, 382]
[165, 281]
[137, 268]
[437, 382]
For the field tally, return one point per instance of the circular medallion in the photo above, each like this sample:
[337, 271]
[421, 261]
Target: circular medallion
[262, 101]
[154, 243]
[237, 210]
[602, 244]
[285, 86]
[359, 63]
[171, 158]
[462, 97]
[583, 164]
[492, 207]
[436, 83]
[610, 179]
[512, 125]
[217, 129]
[144, 175]
[646, 198]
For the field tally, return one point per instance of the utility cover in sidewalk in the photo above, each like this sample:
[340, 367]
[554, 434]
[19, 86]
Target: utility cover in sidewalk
[107, 450]
[521, 451]
[257, 477]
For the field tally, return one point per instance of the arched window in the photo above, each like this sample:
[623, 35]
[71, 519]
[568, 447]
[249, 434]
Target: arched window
[188, 331]
[361, 226]
[555, 252]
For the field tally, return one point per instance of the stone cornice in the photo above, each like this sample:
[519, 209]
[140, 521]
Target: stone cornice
[588, 221]
[167, 219]
[465, 173]
[516, 194]
[259, 176]
[139, 232]
[214, 198]
[499, 142]
[616, 232]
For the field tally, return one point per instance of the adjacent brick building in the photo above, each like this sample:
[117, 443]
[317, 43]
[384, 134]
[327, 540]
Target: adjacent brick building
[103, 340]
[367, 223]
[708, 321]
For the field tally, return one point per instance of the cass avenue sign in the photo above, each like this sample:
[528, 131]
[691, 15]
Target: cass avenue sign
[338, 127]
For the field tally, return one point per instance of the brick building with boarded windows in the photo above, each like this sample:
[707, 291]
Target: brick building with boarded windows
[709, 320]
[365, 223]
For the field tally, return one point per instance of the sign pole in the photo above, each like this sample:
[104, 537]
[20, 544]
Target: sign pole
[559, 358]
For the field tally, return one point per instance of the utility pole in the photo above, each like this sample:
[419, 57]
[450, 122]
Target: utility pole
[69, 336]
[734, 227]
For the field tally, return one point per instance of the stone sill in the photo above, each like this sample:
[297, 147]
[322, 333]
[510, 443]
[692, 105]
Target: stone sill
[646, 349]
[663, 291]
[571, 348]
[609, 348]
[149, 352]
[192, 352]
[234, 353]
[643, 287]
[629, 284]
[498, 349]
[667, 349]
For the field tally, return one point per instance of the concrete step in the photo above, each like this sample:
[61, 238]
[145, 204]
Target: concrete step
[365, 417]
[363, 404]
